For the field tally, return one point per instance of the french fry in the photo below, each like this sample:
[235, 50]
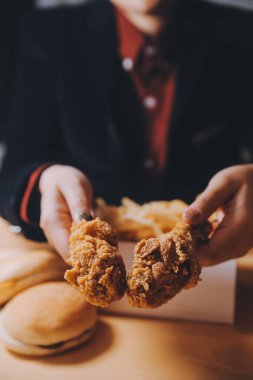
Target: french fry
[134, 222]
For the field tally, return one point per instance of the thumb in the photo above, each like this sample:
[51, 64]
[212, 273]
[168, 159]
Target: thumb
[219, 190]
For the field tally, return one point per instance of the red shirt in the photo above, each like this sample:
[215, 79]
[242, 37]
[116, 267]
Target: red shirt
[154, 80]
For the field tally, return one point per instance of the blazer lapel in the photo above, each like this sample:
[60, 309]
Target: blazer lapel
[193, 53]
[102, 54]
[114, 85]
[191, 61]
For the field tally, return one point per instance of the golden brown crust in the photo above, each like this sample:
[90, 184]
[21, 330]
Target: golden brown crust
[163, 266]
[96, 228]
[98, 270]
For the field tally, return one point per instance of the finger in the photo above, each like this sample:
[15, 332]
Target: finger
[55, 220]
[218, 192]
[229, 241]
[79, 199]
[59, 239]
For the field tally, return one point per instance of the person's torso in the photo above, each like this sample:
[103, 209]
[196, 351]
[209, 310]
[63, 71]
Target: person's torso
[98, 109]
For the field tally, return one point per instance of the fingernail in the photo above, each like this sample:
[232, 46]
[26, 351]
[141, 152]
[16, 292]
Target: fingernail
[192, 214]
[86, 216]
[92, 212]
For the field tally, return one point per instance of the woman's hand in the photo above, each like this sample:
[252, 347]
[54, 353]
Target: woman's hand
[232, 190]
[66, 193]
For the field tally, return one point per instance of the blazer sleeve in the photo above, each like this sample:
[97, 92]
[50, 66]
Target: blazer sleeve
[33, 136]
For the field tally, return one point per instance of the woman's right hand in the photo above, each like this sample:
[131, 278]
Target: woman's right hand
[66, 194]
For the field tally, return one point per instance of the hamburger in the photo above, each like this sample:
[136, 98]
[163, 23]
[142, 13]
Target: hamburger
[46, 319]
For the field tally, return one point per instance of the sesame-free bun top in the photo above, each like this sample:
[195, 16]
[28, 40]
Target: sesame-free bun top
[21, 268]
[47, 314]
[17, 264]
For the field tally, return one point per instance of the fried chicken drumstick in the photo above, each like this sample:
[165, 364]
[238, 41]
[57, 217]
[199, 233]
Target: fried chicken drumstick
[98, 270]
[163, 266]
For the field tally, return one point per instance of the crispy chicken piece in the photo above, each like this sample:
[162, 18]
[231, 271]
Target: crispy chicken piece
[98, 270]
[163, 266]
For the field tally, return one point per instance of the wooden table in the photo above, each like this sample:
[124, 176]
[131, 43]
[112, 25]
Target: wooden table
[142, 349]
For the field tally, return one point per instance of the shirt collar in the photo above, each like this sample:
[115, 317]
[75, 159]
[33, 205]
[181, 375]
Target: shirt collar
[131, 40]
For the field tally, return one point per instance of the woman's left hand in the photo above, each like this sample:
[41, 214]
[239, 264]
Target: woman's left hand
[231, 190]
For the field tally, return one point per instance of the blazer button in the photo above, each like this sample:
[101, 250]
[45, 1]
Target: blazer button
[127, 64]
[150, 102]
[149, 164]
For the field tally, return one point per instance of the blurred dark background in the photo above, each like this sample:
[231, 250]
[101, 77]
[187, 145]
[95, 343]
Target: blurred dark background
[11, 12]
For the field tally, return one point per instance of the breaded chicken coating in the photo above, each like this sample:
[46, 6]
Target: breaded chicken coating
[98, 270]
[163, 266]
